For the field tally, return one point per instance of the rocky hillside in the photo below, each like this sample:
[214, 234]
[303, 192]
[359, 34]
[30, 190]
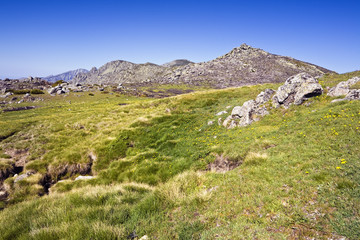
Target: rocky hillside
[242, 66]
[66, 76]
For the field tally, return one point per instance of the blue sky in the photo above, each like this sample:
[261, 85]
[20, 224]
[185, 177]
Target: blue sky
[40, 38]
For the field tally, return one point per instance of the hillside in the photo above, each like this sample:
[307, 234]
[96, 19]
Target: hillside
[66, 76]
[160, 168]
[242, 66]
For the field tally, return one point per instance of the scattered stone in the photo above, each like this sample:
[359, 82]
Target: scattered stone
[221, 113]
[84, 178]
[210, 122]
[338, 100]
[145, 237]
[220, 121]
[22, 176]
[343, 88]
[296, 90]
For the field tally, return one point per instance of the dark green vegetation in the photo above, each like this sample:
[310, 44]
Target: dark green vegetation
[24, 91]
[298, 175]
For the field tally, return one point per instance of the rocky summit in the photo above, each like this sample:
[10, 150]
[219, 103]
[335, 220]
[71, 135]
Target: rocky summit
[243, 65]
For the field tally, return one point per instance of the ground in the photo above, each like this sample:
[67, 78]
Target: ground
[295, 175]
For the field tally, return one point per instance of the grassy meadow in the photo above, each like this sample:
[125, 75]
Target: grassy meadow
[297, 174]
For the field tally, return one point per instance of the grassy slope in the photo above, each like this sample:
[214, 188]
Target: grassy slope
[287, 186]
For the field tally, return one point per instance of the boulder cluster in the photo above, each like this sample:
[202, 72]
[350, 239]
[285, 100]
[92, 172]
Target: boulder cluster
[296, 90]
[66, 88]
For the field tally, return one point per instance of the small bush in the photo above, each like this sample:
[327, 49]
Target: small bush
[57, 83]
[91, 94]
[21, 91]
[36, 91]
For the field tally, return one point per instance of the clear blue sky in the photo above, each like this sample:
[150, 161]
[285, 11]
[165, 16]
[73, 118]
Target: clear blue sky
[41, 37]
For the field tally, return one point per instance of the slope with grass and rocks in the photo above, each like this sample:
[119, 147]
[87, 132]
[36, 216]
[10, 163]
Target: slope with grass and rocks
[166, 169]
[244, 65]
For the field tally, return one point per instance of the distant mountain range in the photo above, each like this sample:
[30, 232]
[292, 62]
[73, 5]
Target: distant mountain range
[243, 65]
[177, 63]
[66, 76]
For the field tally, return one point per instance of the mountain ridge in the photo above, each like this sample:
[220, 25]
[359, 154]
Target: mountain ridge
[66, 76]
[243, 65]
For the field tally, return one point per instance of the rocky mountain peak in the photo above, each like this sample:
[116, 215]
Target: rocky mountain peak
[243, 65]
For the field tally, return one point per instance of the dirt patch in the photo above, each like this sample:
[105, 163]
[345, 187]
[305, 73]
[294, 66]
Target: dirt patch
[13, 109]
[55, 174]
[222, 164]
[19, 156]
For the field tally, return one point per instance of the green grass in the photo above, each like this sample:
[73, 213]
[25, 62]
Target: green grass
[150, 163]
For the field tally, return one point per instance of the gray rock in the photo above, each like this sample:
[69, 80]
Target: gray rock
[210, 122]
[353, 95]
[264, 96]
[221, 113]
[220, 121]
[343, 88]
[296, 90]
[52, 90]
[22, 176]
[84, 178]
[338, 100]
[60, 91]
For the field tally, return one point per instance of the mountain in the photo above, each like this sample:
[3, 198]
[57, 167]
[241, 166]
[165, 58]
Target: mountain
[177, 63]
[66, 76]
[243, 65]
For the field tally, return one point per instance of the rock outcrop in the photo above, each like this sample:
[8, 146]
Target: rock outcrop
[343, 88]
[250, 111]
[27, 83]
[296, 90]
[353, 95]
[59, 89]
[66, 88]
[244, 65]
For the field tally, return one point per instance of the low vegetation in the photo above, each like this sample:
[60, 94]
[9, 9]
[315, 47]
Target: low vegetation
[24, 91]
[295, 173]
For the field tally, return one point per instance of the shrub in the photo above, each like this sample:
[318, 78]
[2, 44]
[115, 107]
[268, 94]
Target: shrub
[36, 91]
[57, 83]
